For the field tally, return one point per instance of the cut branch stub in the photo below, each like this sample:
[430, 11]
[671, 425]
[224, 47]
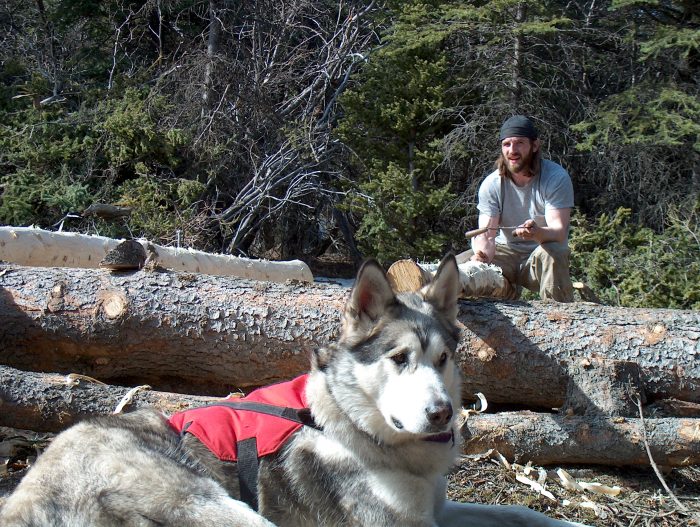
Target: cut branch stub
[113, 304]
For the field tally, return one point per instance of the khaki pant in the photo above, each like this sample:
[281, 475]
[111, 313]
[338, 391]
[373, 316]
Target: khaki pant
[544, 271]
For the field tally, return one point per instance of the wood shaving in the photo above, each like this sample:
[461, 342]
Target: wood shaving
[73, 379]
[129, 396]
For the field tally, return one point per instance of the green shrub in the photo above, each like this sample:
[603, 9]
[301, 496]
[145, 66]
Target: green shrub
[28, 197]
[633, 266]
[60, 158]
[162, 207]
[398, 221]
[131, 132]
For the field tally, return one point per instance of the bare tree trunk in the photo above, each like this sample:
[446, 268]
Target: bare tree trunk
[213, 40]
[211, 335]
[411, 161]
[521, 13]
[346, 230]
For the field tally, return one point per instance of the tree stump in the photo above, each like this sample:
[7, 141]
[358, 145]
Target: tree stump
[407, 275]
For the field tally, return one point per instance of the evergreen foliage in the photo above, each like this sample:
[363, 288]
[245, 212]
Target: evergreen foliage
[166, 209]
[391, 121]
[272, 127]
[644, 115]
[59, 161]
[644, 137]
[633, 266]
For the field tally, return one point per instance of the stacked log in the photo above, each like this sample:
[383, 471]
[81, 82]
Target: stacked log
[188, 333]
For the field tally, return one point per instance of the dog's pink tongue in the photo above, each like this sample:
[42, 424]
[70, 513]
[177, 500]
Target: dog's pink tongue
[445, 437]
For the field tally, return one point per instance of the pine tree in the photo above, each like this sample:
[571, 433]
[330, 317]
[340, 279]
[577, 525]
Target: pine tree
[644, 138]
[393, 125]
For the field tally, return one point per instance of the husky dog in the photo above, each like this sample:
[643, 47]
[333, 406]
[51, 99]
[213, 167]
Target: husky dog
[383, 401]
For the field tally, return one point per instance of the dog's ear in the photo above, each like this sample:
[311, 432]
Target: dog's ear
[370, 297]
[445, 288]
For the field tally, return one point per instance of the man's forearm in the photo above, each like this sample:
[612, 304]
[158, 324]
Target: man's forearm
[549, 234]
[484, 244]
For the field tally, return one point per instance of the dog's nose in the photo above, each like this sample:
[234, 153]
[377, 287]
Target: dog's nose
[440, 413]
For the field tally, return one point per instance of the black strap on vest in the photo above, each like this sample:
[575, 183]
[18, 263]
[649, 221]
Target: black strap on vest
[247, 449]
[248, 471]
[297, 415]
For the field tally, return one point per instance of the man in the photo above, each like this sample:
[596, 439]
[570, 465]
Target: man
[526, 206]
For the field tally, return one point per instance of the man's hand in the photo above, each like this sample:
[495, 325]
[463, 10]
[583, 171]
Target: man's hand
[527, 231]
[480, 256]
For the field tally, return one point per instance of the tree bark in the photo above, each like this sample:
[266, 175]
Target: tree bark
[213, 43]
[549, 439]
[47, 403]
[517, 70]
[210, 335]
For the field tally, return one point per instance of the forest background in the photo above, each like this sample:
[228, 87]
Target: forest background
[297, 128]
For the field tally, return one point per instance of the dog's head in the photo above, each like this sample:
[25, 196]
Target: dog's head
[393, 370]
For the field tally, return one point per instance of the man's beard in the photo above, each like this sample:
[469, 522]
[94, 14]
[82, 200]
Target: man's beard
[520, 165]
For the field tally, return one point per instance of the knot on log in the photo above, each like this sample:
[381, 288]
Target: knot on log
[56, 302]
[113, 304]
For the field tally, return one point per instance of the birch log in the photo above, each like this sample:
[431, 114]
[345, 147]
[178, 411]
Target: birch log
[37, 247]
[211, 335]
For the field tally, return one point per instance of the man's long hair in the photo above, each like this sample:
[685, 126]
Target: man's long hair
[534, 166]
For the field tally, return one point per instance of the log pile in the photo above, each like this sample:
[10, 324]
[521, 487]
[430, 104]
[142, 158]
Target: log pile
[575, 371]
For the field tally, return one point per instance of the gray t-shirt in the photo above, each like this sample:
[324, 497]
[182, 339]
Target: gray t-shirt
[552, 189]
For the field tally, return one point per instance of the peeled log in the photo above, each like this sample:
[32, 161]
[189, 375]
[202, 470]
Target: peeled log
[548, 439]
[196, 333]
[38, 247]
[45, 402]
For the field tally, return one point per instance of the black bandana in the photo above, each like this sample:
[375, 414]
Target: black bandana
[518, 126]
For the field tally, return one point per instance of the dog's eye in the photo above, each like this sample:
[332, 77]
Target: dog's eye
[400, 358]
[443, 359]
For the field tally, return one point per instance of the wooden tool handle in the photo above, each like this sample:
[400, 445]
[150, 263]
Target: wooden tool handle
[475, 232]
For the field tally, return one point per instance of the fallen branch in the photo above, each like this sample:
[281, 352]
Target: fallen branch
[653, 463]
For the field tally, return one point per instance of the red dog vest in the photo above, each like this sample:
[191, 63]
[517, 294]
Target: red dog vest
[245, 429]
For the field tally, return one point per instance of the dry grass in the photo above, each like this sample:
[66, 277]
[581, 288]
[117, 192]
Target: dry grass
[642, 501]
